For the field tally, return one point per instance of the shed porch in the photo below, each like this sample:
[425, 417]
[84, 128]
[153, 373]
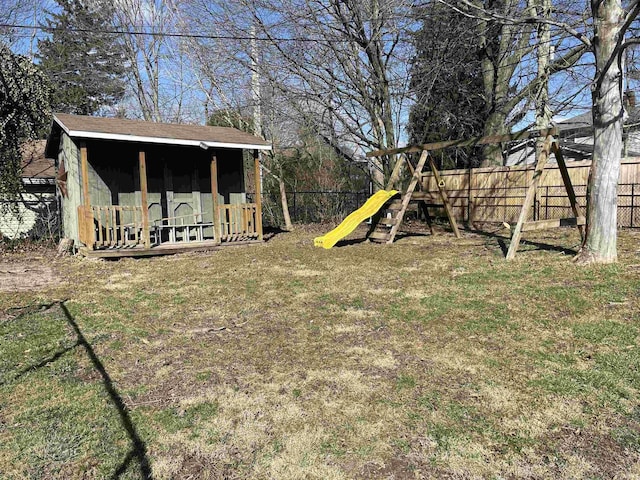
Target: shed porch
[167, 206]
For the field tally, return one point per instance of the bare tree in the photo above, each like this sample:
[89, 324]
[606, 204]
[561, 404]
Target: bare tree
[340, 66]
[604, 38]
[159, 76]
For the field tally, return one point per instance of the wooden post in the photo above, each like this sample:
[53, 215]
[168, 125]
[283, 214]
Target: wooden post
[85, 225]
[530, 196]
[214, 197]
[445, 197]
[142, 161]
[397, 170]
[471, 199]
[566, 178]
[84, 164]
[256, 173]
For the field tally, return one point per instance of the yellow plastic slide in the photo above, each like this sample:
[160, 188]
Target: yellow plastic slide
[349, 224]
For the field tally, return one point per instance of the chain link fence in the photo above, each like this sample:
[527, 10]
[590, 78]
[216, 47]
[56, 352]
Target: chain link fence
[504, 204]
[311, 206]
[490, 205]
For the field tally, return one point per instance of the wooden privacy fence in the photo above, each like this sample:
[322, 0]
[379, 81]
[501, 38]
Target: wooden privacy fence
[496, 194]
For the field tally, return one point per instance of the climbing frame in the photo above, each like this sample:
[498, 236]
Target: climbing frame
[385, 228]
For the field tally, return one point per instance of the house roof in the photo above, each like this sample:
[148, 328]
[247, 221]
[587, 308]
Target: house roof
[34, 162]
[583, 120]
[122, 129]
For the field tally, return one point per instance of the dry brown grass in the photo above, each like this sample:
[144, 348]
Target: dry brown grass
[430, 358]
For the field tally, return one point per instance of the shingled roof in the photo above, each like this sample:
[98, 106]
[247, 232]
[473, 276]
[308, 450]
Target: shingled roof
[34, 162]
[122, 129]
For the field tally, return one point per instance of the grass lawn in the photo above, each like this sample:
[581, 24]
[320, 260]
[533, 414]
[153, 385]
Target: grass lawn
[429, 358]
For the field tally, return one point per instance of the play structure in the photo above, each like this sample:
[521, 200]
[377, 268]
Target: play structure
[388, 214]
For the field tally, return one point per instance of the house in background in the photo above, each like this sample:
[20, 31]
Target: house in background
[35, 214]
[576, 137]
[134, 188]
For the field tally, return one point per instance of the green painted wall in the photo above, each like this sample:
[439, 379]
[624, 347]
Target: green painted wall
[69, 154]
[178, 179]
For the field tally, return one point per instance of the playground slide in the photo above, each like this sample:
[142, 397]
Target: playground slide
[348, 225]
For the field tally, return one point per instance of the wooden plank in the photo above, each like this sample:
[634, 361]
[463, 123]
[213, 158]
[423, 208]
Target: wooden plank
[384, 236]
[258, 201]
[529, 197]
[217, 231]
[123, 240]
[553, 223]
[142, 164]
[84, 164]
[387, 221]
[471, 201]
[566, 179]
[445, 198]
[89, 233]
[407, 195]
[430, 196]
[512, 137]
[100, 238]
[114, 227]
[395, 173]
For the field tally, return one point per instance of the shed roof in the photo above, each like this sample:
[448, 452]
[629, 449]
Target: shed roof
[34, 162]
[122, 129]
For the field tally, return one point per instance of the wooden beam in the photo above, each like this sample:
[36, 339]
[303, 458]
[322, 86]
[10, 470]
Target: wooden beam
[395, 173]
[406, 197]
[444, 196]
[528, 199]
[214, 198]
[553, 223]
[511, 137]
[142, 164]
[258, 200]
[568, 185]
[84, 165]
[85, 214]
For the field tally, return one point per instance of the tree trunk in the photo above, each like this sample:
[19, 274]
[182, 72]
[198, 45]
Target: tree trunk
[492, 153]
[285, 206]
[543, 112]
[600, 245]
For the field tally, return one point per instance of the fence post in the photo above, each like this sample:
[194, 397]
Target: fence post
[633, 196]
[546, 203]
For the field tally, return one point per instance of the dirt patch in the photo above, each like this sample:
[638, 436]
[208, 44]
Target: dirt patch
[26, 275]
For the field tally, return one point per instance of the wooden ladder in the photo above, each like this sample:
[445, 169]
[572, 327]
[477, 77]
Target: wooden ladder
[387, 227]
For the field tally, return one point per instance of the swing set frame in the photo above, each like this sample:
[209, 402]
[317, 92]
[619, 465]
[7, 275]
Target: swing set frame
[385, 229]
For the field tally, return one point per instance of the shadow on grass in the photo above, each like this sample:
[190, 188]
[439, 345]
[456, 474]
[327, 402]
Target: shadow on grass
[271, 232]
[138, 449]
[503, 243]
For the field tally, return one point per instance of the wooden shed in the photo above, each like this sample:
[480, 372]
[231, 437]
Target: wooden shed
[135, 188]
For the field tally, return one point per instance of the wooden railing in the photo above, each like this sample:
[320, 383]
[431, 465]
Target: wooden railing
[118, 226]
[238, 222]
[111, 226]
[86, 234]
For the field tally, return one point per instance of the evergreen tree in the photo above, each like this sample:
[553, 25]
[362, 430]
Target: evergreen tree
[86, 66]
[446, 80]
[24, 110]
